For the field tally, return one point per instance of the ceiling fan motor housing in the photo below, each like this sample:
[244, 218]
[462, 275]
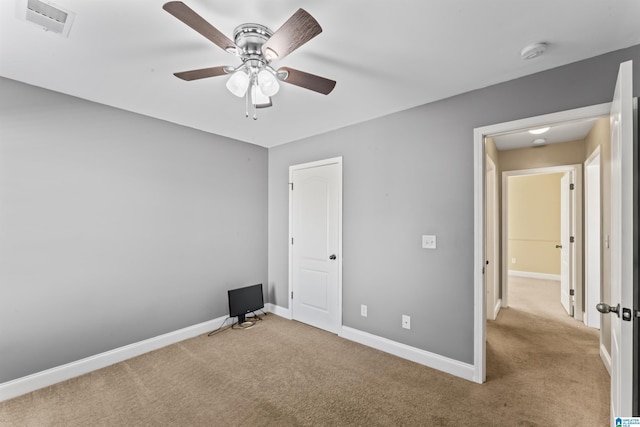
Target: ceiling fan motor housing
[249, 39]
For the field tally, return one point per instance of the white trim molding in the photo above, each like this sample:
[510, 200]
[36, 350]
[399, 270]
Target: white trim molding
[278, 311]
[479, 153]
[606, 358]
[496, 309]
[423, 357]
[24, 385]
[534, 275]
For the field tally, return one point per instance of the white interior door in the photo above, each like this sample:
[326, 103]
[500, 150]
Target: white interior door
[622, 196]
[566, 248]
[316, 205]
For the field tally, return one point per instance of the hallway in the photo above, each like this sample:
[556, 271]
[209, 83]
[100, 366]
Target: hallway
[547, 358]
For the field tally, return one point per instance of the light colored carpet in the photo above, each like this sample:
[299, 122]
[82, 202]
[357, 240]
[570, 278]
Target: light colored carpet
[541, 372]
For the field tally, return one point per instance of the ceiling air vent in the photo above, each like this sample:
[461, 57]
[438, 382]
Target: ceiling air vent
[47, 15]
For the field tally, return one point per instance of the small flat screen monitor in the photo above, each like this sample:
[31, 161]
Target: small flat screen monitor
[245, 300]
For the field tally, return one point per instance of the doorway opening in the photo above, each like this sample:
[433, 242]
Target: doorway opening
[480, 153]
[542, 230]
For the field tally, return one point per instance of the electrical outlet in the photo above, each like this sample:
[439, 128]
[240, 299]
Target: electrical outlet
[406, 321]
[428, 242]
[513, 260]
[363, 310]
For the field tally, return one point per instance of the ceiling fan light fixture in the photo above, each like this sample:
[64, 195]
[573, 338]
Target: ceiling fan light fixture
[256, 45]
[268, 83]
[238, 83]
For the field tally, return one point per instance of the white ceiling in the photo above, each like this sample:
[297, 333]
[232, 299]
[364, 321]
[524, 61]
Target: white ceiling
[386, 56]
[560, 132]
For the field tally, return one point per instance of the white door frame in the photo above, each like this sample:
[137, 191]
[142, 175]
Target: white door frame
[325, 162]
[493, 307]
[592, 239]
[576, 258]
[479, 154]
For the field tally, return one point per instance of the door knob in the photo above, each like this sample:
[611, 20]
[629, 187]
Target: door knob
[606, 308]
[333, 256]
[559, 246]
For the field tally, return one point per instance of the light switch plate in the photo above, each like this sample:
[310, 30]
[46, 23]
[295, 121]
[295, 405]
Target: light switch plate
[428, 242]
[363, 310]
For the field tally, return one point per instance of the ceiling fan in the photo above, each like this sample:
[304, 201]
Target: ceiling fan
[255, 79]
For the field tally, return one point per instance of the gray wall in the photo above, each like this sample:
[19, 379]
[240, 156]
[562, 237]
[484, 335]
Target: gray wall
[409, 174]
[115, 227]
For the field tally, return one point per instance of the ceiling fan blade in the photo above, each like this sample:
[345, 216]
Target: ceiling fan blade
[308, 81]
[198, 23]
[202, 73]
[298, 30]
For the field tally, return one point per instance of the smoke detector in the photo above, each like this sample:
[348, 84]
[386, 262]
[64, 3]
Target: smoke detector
[533, 50]
[47, 15]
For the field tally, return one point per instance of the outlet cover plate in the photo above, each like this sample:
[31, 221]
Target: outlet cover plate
[428, 242]
[406, 321]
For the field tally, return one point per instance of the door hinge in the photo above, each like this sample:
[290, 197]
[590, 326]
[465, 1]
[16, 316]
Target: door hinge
[572, 239]
[292, 240]
[291, 184]
[572, 186]
[572, 292]
[291, 294]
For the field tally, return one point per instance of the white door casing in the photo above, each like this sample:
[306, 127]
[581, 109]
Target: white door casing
[566, 249]
[315, 244]
[491, 271]
[592, 239]
[622, 147]
[479, 316]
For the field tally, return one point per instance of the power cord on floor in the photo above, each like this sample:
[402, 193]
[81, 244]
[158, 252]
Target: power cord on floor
[250, 324]
[221, 328]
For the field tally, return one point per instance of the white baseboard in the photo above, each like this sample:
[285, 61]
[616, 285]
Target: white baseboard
[606, 358]
[497, 308]
[534, 275]
[432, 360]
[277, 310]
[24, 385]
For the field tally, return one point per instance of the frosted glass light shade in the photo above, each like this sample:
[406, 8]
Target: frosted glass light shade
[259, 98]
[238, 83]
[268, 83]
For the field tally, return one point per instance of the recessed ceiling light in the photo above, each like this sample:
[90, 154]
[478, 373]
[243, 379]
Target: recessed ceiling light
[539, 141]
[538, 131]
[533, 50]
